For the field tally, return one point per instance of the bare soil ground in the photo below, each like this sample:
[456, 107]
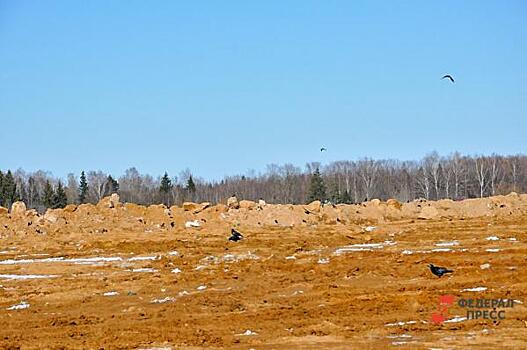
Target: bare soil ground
[94, 277]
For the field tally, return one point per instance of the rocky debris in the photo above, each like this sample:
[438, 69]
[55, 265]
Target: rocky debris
[428, 213]
[115, 200]
[3, 211]
[232, 203]
[50, 216]
[201, 207]
[314, 207]
[190, 206]
[88, 218]
[157, 207]
[302, 267]
[249, 205]
[111, 201]
[31, 213]
[195, 208]
[18, 209]
[85, 209]
[261, 204]
[394, 203]
[70, 208]
[375, 202]
[190, 224]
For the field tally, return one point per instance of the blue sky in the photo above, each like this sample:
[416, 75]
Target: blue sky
[221, 87]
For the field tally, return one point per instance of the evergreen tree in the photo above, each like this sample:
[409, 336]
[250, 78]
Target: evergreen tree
[48, 196]
[191, 187]
[114, 185]
[59, 197]
[165, 188]
[9, 190]
[110, 186]
[317, 189]
[345, 198]
[83, 188]
[334, 194]
[1, 189]
[166, 184]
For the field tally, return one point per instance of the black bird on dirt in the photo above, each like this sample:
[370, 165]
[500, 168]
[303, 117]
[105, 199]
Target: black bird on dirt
[439, 271]
[448, 76]
[235, 236]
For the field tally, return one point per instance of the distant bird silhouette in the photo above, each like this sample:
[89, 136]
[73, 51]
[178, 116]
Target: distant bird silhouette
[439, 271]
[235, 236]
[448, 77]
[323, 149]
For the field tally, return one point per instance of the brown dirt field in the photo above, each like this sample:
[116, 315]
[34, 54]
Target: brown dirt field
[309, 281]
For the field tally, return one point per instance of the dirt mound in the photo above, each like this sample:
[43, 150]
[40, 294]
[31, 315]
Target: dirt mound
[111, 214]
[314, 276]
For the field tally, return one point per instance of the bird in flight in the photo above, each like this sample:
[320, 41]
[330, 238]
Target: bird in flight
[323, 149]
[439, 271]
[448, 76]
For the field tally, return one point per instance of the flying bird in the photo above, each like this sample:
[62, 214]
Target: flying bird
[439, 271]
[448, 77]
[323, 149]
[235, 236]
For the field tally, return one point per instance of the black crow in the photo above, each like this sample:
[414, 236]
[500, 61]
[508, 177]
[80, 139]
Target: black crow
[439, 271]
[235, 236]
[448, 77]
[323, 149]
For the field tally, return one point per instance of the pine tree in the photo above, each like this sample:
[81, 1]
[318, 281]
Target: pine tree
[110, 186]
[9, 190]
[48, 196]
[191, 187]
[1, 189]
[114, 185]
[83, 188]
[317, 189]
[165, 188]
[59, 197]
[166, 184]
[345, 198]
[334, 194]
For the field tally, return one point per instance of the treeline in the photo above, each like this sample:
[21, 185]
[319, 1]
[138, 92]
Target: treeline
[434, 177]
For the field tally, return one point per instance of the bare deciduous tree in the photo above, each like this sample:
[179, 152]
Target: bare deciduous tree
[482, 172]
[454, 176]
[368, 169]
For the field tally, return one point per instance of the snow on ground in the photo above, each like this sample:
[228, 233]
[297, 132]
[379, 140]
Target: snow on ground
[447, 244]
[26, 277]
[475, 289]
[21, 306]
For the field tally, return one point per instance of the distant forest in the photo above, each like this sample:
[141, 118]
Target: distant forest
[434, 177]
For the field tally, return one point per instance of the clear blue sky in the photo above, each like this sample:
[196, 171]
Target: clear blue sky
[221, 87]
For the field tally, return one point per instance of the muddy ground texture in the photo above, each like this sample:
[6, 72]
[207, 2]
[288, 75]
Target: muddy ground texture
[123, 276]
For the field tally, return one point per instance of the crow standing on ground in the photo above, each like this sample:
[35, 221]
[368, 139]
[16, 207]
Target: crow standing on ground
[235, 236]
[448, 77]
[439, 271]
